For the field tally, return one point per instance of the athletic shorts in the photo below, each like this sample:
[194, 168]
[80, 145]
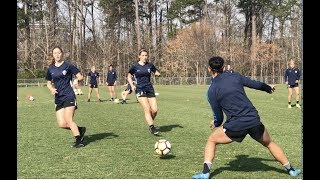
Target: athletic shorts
[110, 84]
[93, 86]
[149, 93]
[255, 132]
[293, 86]
[67, 103]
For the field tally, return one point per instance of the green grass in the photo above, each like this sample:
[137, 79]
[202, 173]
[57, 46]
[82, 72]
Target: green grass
[119, 145]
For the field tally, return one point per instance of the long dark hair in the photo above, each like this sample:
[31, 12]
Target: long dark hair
[50, 59]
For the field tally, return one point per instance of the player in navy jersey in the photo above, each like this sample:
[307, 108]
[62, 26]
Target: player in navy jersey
[59, 77]
[144, 89]
[126, 92]
[111, 82]
[226, 94]
[94, 78]
[229, 70]
[292, 77]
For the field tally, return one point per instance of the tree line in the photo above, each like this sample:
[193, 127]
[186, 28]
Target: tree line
[257, 37]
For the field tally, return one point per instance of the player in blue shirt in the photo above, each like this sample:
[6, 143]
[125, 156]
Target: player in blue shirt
[59, 77]
[144, 88]
[292, 77]
[226, 94]
[94, 77]
[126, 92]
[229, 70]
[111, 82]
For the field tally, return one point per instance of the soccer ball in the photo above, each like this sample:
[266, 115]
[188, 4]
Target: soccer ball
[162, 147]
[30, 98]
[117, 101]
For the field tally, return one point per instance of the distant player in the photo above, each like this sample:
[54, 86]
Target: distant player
[126, 92]
[292, 77]
[111, 82]
[60, 73]
[93, 84]
[142, 71]
[226, 95]
[229, 70]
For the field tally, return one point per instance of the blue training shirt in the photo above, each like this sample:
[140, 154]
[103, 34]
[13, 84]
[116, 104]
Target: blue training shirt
[62, 79]
[226, 94]
[111, 76]
[93, 77]
[142, 73]
[291, 75]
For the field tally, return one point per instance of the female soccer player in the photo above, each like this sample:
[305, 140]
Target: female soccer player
[226, 95]
[126, 92]
[144, 88]
[292, 77]
[93, 84]
[111, 82]
[60, 73]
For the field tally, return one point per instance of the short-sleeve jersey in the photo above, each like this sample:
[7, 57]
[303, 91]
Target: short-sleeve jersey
[142, 73]
[111, 76]
[226, 94]
[61, 77]
[93, 77]
[291, 75]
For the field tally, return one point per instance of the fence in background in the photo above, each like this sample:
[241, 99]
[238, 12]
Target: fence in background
[161, 81]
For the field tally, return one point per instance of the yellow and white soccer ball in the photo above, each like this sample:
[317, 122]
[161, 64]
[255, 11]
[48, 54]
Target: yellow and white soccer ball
[117, 101]
[162, 147]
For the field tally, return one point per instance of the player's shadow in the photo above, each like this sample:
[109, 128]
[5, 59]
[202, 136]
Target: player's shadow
[169, 127]
[95, 137]
[247, 164]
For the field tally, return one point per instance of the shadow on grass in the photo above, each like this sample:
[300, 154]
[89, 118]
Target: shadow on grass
[246, 164]
[169, 127]
[91, 138]
[169, 156]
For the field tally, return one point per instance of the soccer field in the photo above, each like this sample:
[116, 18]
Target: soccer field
[119, 145]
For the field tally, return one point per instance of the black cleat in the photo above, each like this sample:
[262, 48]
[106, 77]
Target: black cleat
[100, 100]
[78, 145]
[88, 100]
[154, 131]
[82, 132]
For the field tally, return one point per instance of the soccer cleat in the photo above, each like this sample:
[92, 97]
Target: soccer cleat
[78, 145]
[100, 100]
[154, 131]
[88, 100]
[201, 175]
[294, 172]
[82, 132]
[124, 102]
[298, 106]
[289, 106]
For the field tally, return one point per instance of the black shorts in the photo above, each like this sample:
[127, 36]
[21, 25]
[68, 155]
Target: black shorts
[110, 84]
[148, 94]
[93, 86]
[67, 103]
[255, 132]
[293, 86]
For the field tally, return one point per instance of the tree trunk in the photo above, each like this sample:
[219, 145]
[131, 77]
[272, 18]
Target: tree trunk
[137, 25]
[253, 52]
